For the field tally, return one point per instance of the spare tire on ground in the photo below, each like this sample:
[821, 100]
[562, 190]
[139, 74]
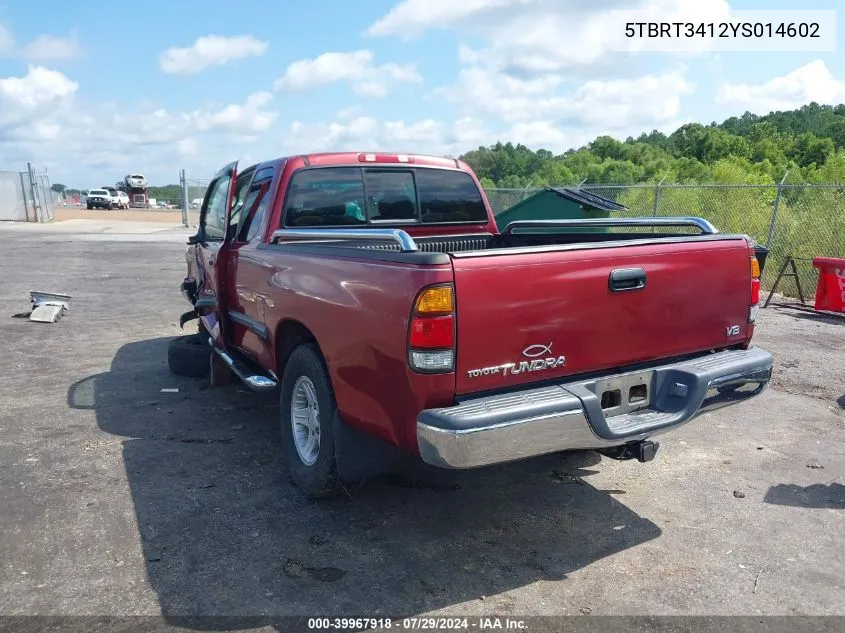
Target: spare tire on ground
[189, 356]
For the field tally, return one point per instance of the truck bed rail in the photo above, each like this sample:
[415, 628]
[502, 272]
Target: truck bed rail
[406, 242]
[700, 223]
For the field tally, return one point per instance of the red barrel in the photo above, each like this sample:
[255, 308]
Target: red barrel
[830, 292]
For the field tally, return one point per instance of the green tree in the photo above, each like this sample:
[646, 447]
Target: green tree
[809, 149]
[608, 147]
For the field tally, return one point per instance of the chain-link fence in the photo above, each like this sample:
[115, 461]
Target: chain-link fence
[25, 196]
[799, 221]
[193, 192]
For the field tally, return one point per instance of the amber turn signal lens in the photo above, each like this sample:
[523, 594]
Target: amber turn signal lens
[755, 268]
[435, 300]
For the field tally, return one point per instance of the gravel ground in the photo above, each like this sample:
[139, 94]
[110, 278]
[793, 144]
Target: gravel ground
[172, 216]
[117, 498]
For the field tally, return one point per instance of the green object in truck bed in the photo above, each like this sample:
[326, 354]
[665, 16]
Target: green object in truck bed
[560, 204]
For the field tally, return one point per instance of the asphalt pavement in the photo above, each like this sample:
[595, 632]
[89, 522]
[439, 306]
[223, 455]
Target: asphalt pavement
[119, 498]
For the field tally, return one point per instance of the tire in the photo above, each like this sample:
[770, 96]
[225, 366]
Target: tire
[90, 207]
[315, 473]
[189, 356]
[109, 206]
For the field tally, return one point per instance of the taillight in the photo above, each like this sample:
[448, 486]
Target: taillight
[431, 337]
[754, 300]
[432, 333]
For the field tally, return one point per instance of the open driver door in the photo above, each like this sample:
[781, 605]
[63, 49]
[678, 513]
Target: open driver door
[210, 244]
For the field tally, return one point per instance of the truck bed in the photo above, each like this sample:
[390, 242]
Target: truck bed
[593, 300]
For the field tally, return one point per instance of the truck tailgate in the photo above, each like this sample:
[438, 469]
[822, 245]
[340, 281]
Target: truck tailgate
[535, 315]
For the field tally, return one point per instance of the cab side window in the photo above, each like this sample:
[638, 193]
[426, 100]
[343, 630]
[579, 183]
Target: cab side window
[330, 196]
[255, 205]
[238, 203]
[213, 220]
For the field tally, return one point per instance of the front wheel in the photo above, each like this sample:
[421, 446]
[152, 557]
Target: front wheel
[308, 408]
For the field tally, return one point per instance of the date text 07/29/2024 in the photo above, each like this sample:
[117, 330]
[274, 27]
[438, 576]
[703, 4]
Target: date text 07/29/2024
[419, 623]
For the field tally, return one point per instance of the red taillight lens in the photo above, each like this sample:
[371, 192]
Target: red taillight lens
[433, 332]
[755, 292]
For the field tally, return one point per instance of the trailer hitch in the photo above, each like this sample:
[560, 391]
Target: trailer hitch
[643, 451]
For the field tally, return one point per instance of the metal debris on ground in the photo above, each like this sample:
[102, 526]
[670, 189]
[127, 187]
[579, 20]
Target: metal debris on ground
[48, 307]
[757, 579]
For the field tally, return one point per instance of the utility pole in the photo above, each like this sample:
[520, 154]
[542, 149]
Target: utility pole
[183, 182]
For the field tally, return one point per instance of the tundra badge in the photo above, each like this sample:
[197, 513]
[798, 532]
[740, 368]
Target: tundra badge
[733, 330]
[533, 352]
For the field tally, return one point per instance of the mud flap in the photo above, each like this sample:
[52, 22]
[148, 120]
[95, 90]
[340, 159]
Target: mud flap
[360, 456]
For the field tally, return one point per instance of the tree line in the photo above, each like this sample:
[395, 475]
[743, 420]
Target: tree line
[808, 142]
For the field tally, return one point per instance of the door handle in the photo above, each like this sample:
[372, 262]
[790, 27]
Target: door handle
[627, 279]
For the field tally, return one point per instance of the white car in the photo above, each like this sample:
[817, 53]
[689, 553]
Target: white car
[121, 200]
[99, 199]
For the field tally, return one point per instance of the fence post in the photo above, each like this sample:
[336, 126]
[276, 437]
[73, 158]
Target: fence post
[775, 206]
[32, 192]
[25, 198]
[657, 196]
[184, 183]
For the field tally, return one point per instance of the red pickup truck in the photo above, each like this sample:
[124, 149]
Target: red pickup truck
[377, 294]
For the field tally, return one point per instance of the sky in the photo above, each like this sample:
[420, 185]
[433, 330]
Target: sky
[92, 90]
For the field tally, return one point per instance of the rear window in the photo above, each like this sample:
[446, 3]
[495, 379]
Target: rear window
[98, 192]
[449, 196]
[344, 196]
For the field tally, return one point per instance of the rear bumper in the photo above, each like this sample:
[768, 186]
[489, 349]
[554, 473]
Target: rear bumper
[569, 415]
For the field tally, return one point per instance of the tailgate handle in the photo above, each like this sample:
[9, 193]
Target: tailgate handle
[627, 279]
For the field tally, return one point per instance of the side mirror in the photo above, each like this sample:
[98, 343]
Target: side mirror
[194, 239]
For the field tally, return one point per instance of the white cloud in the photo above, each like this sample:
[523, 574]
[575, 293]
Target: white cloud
[413, 17]
[43, 48]
[811, 82]
[50, 47]
[528, 58]
[355, 67]
[33, 97]
[348, 113]
[7, 42]
[540, 134]
[187, 146]
[648, 100]
[210, 50]
[43, 121]
[541, 36]
[367, 133]
[249, 118]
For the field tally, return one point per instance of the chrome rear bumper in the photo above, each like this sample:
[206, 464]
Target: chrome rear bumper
[589, 414]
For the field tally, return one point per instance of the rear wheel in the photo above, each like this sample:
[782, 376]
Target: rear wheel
[308, 408]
